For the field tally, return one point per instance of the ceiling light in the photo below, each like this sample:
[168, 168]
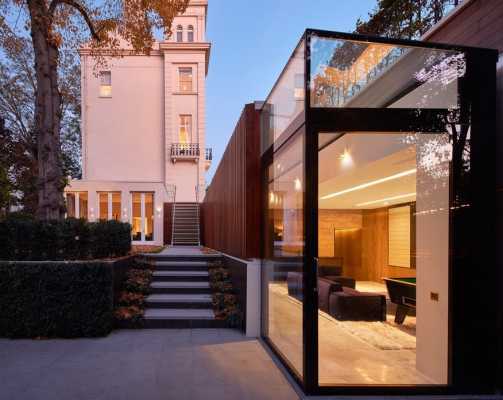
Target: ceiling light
[297, 184]
[346, 159]
[386, 200]
[371, 183]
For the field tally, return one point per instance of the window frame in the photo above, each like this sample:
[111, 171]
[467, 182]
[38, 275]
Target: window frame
[189, 130]
[110, 205]
[76, 210]
[190, 33]
[105, 89]
[181, 71]
[179, 34]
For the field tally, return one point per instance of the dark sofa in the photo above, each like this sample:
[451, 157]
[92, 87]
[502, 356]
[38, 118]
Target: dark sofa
[341, 302]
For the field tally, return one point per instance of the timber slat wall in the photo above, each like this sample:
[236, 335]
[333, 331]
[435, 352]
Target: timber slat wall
[231, 211]
[478, 23]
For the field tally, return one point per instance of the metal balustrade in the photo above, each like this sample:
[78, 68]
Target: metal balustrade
[189, 151]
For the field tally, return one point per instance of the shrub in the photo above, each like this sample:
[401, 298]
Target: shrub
[138, 281]
[24, 238]
[131, 299]
[56, 299]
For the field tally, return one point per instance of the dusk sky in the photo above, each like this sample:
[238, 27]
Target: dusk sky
[251, 42]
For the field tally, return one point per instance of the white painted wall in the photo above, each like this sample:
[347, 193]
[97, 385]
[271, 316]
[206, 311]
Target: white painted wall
[124, 132]
[127, 138]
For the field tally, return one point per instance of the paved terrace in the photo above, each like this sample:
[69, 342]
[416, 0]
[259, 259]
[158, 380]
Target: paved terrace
[142, 364]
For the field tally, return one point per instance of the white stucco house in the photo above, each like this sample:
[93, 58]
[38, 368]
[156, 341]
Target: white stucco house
[143, 131]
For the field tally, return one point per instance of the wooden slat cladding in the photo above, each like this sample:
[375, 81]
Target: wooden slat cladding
[232, 206]
[477, 24]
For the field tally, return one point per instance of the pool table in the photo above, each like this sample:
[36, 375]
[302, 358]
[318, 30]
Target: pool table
[402, 292]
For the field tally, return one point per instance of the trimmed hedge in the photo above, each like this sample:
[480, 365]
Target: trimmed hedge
[23, 238]
[57, 299]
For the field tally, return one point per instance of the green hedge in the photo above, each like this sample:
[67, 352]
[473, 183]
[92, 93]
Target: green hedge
[56, 299]
[23, 238]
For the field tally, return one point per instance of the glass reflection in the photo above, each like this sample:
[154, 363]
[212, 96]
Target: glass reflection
[347, 73]
[283, 264]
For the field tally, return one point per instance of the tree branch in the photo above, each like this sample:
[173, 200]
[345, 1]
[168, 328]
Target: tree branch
[80, 9]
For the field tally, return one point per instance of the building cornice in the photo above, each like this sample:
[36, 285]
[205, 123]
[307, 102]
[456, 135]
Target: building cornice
[116, 52]
[164, 47]
[171, 47]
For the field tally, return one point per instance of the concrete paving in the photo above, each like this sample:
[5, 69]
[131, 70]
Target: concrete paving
[142, 364]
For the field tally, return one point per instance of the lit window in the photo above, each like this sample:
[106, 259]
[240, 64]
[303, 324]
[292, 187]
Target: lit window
[179, 33]
[110, 205]
[190, 34]
[143, 217]
[185, 79]
[185, 133]
[76, 205]
[105, 84]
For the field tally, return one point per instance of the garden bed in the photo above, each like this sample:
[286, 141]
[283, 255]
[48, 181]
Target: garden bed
[225, 301]
[130, 305]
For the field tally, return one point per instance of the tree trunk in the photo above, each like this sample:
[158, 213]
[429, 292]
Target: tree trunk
[47, 114]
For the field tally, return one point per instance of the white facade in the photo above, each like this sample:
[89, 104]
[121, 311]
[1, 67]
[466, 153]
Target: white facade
[143, 130]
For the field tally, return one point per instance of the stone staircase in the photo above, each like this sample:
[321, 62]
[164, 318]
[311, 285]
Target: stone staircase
[180, 290]
[186, 224]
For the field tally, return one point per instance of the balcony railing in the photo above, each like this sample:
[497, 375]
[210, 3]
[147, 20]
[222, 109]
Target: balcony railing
[184, 151]
[189, 151]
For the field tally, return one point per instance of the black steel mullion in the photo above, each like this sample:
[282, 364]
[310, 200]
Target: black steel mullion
[310, 304]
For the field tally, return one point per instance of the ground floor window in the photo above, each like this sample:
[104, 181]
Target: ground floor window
[142, 216]
[110, 205]
[76, 204]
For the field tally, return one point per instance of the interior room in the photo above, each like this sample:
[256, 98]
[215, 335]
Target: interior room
[383, 236]
[383, 257]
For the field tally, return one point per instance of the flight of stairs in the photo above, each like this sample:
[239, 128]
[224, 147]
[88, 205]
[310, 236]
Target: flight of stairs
[180, 292]
[186, 224]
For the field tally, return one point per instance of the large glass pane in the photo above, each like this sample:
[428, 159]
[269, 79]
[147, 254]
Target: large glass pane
[83, 205]
[116, 206]
[70, 205]
[383, 275]
[103, 198]
[137, 212]
[286, 100]
[347, 73]
[284, 250]
[149, 216]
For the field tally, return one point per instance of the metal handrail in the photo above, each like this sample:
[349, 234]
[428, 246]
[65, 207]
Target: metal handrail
[173, 216]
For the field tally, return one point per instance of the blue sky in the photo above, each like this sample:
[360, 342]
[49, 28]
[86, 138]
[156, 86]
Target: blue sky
[251, 42]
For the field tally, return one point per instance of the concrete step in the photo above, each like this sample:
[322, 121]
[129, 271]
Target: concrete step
[181, 275]
[180, 287]
[155, 258]
[179, 301]
[181, 318]
[181, 265]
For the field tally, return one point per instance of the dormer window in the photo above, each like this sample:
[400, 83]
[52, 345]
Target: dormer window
[179, 33]
[190, 34]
